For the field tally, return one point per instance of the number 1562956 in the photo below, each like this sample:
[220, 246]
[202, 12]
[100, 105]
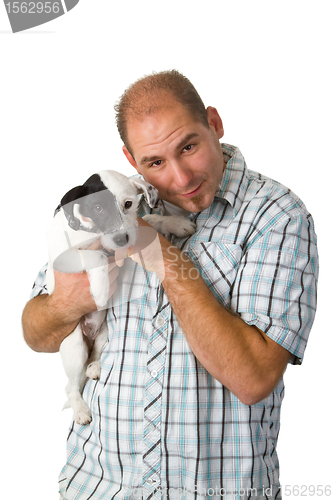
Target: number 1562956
[33, 7]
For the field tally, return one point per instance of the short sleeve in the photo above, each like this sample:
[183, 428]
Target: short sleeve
[39, 286]
[276, 284]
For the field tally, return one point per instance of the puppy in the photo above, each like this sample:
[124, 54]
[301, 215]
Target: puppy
[101, 214]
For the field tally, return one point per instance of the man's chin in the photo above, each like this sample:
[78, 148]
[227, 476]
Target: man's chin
[196, 203]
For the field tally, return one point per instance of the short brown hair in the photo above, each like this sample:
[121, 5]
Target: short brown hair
[145, 96]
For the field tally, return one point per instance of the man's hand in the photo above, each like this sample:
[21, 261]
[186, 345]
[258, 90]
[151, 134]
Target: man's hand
[73, 291]
[48, 319]
[147, 251]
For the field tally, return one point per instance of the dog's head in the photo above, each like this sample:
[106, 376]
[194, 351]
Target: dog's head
[106, 204]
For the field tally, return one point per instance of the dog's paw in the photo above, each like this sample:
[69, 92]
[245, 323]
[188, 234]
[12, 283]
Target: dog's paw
[94, 370]
[185, 227]
[82, 414]
[171, 224]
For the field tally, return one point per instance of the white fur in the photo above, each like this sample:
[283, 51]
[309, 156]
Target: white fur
[171, 224]
[68, 253]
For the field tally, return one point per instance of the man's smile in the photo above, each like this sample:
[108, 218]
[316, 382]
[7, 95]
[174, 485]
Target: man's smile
[192, 193]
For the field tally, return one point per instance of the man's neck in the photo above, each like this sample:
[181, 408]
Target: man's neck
[171, 209]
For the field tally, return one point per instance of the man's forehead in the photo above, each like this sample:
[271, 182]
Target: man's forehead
[175, 125]
[167, 111]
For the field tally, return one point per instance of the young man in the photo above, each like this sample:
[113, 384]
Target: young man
[189, 398]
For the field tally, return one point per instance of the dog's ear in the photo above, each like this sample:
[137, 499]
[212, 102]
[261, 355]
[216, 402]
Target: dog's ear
[150, 193]
[67, 204]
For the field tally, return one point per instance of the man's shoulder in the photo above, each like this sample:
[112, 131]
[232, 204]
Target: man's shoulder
[275, 195]
[241, 185]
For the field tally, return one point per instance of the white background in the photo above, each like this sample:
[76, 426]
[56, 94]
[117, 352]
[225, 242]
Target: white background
[266, 66]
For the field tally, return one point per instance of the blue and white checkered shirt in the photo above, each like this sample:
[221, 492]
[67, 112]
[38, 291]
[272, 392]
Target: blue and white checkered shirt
[162, 426]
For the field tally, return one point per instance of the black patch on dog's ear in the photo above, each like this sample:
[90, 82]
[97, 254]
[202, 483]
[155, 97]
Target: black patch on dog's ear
[72, 195]
[92, 185]
[67, 203]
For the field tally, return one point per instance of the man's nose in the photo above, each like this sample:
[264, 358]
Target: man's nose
[181, 174]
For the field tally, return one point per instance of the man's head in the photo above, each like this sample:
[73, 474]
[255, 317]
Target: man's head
[172, 139]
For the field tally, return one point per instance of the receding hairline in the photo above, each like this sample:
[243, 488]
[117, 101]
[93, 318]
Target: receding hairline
[164, 100]
[156, 93]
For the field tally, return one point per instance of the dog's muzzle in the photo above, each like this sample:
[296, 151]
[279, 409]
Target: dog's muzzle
[121, 239]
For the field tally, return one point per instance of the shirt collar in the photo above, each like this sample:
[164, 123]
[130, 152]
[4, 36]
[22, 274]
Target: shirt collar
[234, 182]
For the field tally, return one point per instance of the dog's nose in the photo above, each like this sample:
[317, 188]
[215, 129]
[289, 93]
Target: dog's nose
[121, 239]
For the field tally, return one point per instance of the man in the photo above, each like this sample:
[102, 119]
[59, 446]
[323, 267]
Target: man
[189, 398]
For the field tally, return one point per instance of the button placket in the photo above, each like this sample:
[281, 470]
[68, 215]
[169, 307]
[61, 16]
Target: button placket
[152, 410]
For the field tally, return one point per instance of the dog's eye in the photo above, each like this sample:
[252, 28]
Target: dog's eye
[98, 208]
[128, 204]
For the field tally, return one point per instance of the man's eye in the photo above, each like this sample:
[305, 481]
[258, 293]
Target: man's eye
[98, 208]
[156, 163]
[188, 147]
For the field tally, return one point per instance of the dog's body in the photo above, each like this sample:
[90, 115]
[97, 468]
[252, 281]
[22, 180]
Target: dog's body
[102, 210]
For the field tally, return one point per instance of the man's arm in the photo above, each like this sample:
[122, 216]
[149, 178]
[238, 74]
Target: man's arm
[48, 319]
[238, 355]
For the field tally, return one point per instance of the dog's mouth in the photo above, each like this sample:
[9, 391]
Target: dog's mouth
[108, 253]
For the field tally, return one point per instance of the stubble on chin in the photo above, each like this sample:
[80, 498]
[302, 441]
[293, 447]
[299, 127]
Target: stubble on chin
[197, 199]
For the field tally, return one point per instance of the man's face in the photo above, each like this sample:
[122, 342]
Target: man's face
[179, 156]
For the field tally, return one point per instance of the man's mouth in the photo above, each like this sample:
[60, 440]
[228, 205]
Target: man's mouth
[192, 193]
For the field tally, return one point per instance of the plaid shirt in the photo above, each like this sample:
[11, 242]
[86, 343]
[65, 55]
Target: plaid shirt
[162, 426]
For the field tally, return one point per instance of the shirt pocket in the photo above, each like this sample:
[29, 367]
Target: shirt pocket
[218, 264]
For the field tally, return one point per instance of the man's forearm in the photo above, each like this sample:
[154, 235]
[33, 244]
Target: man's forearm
[44, 326]
[48, 319]
[240, 356]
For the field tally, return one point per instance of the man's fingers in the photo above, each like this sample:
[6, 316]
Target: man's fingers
[95, 245]
[112, 265]
[112, 288]
[121, 255]
[113, 273]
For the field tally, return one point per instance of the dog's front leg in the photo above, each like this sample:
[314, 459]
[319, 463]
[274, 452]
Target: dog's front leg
[94, 366]
[74, 355]
[97, 266]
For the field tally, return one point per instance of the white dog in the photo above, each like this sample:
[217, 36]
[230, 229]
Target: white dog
[102, 209]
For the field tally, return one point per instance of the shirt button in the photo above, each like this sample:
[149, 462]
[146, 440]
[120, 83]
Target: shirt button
[160, 321]
[154, 373]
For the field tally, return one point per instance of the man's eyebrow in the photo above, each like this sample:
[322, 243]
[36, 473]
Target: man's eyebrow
[149, 159]
[187, 139]
[181, 145]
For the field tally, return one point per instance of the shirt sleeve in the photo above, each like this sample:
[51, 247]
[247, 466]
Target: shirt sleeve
[39, 286]
[276, 284]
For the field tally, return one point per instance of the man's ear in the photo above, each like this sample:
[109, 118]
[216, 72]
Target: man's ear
[130, 159]
[215, 121]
